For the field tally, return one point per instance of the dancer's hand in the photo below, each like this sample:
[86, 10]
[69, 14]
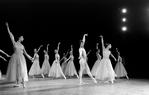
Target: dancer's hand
[85, 34]
[101, 36]
[7, 24]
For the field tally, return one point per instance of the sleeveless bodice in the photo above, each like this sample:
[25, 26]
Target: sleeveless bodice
[18, 48]
[106, 53]
[57, 57]
[46, 57]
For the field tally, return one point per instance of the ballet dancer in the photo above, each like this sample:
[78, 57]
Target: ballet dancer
[70, 69]
[46, 65]
[83, 61]
[96, 64]
[119, 68]
[17, 68]
[105, 70]
[56, 70]
[35, 68]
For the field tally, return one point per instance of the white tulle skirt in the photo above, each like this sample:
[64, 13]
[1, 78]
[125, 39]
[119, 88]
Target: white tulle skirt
[55, 70]
[120, 70]
[17, 68]
[94, 68]
[45, 67]
[70, 69]
[64, 65]
[35, 68]
[105, 70]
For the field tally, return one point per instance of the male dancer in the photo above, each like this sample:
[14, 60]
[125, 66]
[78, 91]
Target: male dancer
[83, 61]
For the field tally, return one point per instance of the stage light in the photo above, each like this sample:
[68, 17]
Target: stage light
[124, 28]
[124, 19]
[124, 10]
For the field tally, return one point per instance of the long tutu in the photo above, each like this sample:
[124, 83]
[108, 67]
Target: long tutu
[35, 68]
[120, 70]
[45, 67]
[94, 68]
[105, 70]
[70, 69]
[64, 65]
[55, 70]
[17, 68]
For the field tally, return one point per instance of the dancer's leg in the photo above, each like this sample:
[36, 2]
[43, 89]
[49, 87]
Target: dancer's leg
[80, 74]
[89, 73]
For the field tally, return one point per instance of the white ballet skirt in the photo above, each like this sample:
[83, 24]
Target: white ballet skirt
[120, 70]
[35, 68]
[64, 65]
[105, 70]
[17, 68]
[55, 70]
[45, 66]
[70, 69]
[94, 68]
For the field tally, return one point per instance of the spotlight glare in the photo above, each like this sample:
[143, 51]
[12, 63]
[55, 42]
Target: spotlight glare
[124, 10]
[124, 28]
[124, 19]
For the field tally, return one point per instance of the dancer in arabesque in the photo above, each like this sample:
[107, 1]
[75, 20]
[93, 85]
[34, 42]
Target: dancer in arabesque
[83, 61]
[105, 70]
[17, 69]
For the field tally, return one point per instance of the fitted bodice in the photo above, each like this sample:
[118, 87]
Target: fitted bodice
[18, 47]
[57, 57]
[106, 53]
[46, 57]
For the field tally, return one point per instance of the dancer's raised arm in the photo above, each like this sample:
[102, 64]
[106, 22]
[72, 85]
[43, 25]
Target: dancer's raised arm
[39, 48]
[58, 46]
[4, 53]
[3, 58]
[84, 38]
[102, 42]
[97, 46]
[47, 47]
[10, 34]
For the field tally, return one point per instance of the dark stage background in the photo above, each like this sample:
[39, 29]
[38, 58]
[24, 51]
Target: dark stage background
[52, 21]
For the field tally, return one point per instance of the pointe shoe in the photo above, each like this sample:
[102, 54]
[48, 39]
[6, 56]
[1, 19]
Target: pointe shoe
[17, 85]
[42, 76]
[81, 83]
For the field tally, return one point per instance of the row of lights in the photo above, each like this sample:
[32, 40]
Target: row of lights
[124, 11]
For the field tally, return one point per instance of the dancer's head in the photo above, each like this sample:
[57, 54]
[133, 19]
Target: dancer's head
[56, 51]
[35, 50]
[81, 44]
[21, 39]
[109, 46]
[45, 51]
[70, 53]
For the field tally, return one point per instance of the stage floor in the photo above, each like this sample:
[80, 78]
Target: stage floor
[48, 86]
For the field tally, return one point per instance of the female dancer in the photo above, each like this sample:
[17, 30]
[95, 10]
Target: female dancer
[56, 70]
[17, 68]
[45, 66]
[35, 68]
[105, 70]
[3, 59]
[70, 69]
[94, 69]
[64, 64]
[83, 61]
[119, 68]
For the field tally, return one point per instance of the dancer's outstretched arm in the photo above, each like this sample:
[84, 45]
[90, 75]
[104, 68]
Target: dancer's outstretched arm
[113, 56]
[10, 34]
[4, 53]
[84, 38]
[3, 58]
